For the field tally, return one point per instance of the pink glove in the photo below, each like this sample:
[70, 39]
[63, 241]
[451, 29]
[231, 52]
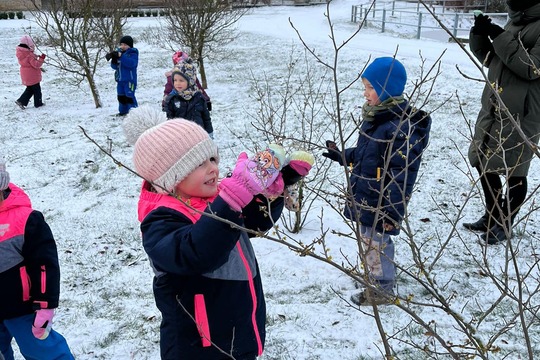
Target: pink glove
[252, 176]
[299, 166]
[43, 56]
[42, 323]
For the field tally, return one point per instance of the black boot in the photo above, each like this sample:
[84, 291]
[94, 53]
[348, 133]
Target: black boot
[481, 224]
[497, 234]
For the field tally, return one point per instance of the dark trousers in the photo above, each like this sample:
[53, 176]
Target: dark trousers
[35, 91]
[497, 199]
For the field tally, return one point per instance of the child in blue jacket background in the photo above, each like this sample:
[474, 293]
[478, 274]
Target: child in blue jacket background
[30, 278]
[125, 63]
[385, 164]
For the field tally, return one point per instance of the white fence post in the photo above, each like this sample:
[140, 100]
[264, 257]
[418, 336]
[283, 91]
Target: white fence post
[419, 25]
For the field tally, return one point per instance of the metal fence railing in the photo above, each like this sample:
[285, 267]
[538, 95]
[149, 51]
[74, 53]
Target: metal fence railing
[418, 20]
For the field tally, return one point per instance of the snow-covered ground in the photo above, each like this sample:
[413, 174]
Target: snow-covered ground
[107, 309]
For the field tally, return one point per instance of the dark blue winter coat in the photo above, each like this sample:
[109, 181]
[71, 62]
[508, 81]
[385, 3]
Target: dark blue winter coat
[386, 160]
[194, 109]
[206, 272]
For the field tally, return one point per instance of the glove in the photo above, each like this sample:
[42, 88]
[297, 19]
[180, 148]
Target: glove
[276, 188]
[300, 163]
[252, 176]
[42, 323]
[333, 152]
[42, 56]
[494, 30]
[209, 105]
[482, 24]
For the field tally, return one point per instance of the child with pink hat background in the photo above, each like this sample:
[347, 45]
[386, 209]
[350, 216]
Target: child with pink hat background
[31, 68]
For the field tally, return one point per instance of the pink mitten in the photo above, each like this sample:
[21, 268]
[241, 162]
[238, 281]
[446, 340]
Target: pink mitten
[299, 166]
[42, 323]
[252, 176]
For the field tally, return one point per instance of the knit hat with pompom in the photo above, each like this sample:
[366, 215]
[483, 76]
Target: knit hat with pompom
[166, 151]
[187, 70]
[4, 175]
[179, 57]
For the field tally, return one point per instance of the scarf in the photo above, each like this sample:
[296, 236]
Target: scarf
[369, 111]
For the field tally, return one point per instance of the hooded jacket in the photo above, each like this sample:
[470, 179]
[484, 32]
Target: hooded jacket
[30, 65]
[194, 109]
[496, 145]
[386, 161]
[207, 283]
[29, 271]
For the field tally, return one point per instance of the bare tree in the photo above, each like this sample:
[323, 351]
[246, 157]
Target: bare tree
[80, 33]
[203, 26]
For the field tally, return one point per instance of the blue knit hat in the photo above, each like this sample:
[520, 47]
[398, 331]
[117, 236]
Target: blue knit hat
[387, 76]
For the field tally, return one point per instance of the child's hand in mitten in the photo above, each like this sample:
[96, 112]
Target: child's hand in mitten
[42, 323]
[300, 163]
[252, 176]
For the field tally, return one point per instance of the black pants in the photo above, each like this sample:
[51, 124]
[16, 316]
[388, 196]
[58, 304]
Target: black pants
[497, 199]
[35, 91]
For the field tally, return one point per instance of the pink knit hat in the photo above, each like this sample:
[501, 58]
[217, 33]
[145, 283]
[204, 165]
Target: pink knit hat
[179, 57]
[168, 151]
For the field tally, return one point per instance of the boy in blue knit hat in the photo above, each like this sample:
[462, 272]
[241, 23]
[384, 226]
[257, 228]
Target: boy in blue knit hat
[384, 166]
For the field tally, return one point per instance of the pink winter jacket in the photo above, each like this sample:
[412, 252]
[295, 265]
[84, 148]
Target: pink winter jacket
[30, 66]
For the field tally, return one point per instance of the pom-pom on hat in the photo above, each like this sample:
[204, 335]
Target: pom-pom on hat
[128, 40]
[187, 70]
[179, 57]
[4, 175]
[387, 76]
[27, 40]
[167, 151]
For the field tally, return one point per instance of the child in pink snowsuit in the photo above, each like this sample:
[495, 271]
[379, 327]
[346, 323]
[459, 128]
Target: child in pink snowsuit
[30, 72]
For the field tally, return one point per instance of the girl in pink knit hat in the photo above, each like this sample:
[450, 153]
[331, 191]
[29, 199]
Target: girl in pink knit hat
[30, 72]
[207, 283]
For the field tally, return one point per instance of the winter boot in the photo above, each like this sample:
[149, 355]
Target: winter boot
[370, 297]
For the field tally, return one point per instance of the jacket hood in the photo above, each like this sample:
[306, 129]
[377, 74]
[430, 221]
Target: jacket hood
[525, 16]
[27, 40]
[17, 198]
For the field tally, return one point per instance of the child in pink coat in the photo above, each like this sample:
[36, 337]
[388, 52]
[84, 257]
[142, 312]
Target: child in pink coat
[30, 72]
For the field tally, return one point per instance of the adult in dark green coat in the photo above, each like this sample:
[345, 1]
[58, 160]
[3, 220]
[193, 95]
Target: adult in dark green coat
[497, 150]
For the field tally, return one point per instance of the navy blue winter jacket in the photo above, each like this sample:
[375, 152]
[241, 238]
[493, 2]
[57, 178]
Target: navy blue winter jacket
[126, 67]
[207, 283]
[386, 160]
[194, 109]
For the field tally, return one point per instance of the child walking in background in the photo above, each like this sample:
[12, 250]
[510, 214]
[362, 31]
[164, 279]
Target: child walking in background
[31, 68]
[385, 164]
[30, 278]
[178, 59]
[185, 100]
[207, 283]
[124, 63]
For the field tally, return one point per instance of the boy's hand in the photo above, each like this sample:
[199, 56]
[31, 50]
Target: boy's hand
[333, 152]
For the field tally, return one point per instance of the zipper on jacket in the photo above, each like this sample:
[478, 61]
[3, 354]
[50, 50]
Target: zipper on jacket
[254, 299]
[201, 320]
[43, 279]
[25, 283]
